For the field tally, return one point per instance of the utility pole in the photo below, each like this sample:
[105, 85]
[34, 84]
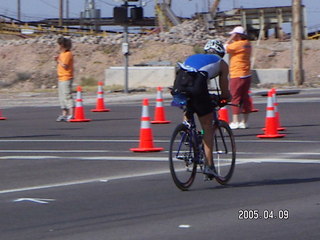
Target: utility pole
[125, 50]
[296, 39]
[67, 8]
[214, 7]
[60, 12]
[18, 10]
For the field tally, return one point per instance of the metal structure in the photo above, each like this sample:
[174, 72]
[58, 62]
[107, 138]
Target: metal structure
[90, 12]
[13, 26]
[258, 21]
[165, 17]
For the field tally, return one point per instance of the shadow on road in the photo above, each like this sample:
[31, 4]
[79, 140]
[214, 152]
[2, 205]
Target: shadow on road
[267, 182]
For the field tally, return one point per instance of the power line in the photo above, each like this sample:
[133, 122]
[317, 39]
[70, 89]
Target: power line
[109, 4]
[49, 4]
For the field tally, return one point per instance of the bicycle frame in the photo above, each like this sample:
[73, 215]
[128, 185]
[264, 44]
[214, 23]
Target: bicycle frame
[189, 154]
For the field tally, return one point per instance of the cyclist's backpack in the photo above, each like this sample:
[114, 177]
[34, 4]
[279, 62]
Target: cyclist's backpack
[184, 81]
[191, 83]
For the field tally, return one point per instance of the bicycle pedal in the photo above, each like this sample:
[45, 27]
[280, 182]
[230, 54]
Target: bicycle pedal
[208, 178]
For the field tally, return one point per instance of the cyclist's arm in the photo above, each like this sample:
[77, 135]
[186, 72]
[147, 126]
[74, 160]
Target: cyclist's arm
[224, 81]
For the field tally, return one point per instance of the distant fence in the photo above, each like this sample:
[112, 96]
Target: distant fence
[27, 30]
[13, 27]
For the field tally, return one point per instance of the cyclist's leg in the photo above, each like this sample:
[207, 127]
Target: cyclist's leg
[202, 105]
[207, 126]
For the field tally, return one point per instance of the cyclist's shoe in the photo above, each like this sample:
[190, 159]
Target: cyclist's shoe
[61, 118]
[210, 172]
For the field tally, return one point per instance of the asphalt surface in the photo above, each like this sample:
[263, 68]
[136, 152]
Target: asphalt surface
[81, 181]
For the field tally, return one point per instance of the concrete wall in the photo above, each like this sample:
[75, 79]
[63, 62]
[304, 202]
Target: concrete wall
[271, 76]
[141, 76]
[155, 76]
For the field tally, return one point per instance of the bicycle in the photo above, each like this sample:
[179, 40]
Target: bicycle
[186, 152]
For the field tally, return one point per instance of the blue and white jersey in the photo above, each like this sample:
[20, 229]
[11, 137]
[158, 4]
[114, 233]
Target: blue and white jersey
[209, 63]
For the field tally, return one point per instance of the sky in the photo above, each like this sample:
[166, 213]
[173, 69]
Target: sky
[33, 10]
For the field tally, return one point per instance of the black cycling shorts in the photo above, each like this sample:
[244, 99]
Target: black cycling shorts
[195, 84]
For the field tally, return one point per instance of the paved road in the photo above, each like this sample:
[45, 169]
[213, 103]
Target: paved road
[81, 181]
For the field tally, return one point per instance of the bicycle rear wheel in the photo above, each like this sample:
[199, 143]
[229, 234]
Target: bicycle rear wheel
[224, 152]
[182, 157]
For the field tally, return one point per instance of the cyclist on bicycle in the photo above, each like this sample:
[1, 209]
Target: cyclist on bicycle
[192, 78]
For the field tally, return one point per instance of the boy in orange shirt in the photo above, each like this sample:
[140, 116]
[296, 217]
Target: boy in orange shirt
[65, 79]
[239, 48]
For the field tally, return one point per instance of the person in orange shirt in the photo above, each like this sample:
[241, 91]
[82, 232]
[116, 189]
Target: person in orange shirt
[239, 49]
[65, 79]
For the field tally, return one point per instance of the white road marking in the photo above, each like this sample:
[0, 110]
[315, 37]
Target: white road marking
[85, 181]
[277, 141]
[35, 200]
[184, 226]
[75, 140]
[155, 140]
[107, 179]
[111, 158]
[58, 151]
[278, 160]
[285, 157]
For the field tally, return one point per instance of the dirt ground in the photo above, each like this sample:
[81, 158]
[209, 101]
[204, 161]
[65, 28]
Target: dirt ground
[31, 66]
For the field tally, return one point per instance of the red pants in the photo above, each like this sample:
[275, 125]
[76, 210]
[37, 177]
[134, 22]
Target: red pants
[239, 88]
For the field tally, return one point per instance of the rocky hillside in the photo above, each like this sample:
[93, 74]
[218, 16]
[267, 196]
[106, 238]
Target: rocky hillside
[28, 63]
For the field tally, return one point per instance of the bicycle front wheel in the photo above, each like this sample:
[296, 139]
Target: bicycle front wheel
[182, 156]
[224, 152]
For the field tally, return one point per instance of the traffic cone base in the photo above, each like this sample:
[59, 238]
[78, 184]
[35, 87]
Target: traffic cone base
[160, 122]
[146, 138]
[278, 128]
[271, 136]
[2, 118]
[79, 120]
[154, 149]
[100, 110]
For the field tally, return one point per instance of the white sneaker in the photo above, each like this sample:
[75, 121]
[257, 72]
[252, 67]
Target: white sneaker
[234, 125]
[61, 118]
[243, 125]
[69, 117]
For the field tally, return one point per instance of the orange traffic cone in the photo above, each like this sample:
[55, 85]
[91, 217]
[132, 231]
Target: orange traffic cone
[271, 126]
[251, 103]
[146, 138]
[159, 114]
[100, 107]
[79, 110]
[224, 114]
[277, 114]
[2, 118]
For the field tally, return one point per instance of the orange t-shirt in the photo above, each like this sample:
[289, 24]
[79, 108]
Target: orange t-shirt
[65, 74]
[240, 53]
